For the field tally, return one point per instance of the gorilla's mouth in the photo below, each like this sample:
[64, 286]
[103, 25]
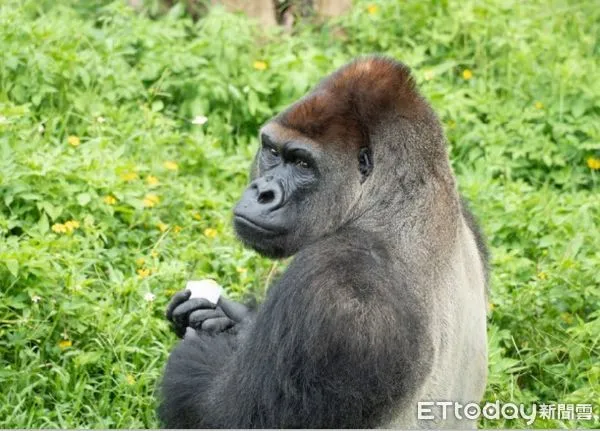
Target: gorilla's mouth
[244, 222]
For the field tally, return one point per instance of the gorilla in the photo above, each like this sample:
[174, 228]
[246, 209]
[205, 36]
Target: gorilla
[384, 302]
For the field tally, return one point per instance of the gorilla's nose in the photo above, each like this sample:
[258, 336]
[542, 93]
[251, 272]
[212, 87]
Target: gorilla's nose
[269, 194]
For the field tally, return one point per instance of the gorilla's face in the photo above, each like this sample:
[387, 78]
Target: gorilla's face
[299, 192]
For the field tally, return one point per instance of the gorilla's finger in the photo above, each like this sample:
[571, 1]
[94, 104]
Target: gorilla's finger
[199, 316]
[177, 299]
[234, 310]
[217, 325]
[182, 311]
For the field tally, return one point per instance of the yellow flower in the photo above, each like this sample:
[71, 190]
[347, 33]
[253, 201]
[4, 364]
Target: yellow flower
[59, 228]
[140, 261]
[151, 200]
[196, 216]
[177, 229]
[71, 225]
[567, 318]
[68, 226]
[210, 232]
[539, 105]
[129, 176]
[154, 254]
[143, 272]
[428, 75]
[260, 65]
[110, 200]
[73, 141]
[152, 180]
[467, 74]
[130, 379]
[162, 226]
[170, 165]
[64, 344]
[491, 306]
[241, 270]
[542, 275]
[593, 163]
[372, 9]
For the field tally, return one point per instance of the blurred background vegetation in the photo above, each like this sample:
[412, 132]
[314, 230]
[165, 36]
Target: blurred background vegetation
[125, 138]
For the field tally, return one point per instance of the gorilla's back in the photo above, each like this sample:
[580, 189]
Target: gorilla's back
[459, 304]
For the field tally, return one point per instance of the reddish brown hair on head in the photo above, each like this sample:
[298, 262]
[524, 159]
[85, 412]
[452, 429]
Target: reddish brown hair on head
[347, 104]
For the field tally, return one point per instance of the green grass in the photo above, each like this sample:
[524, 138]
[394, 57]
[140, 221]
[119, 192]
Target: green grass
[81, 345]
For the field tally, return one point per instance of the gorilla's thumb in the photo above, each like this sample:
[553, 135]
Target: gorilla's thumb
[234, 310]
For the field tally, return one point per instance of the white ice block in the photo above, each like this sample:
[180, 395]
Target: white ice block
[207, 288]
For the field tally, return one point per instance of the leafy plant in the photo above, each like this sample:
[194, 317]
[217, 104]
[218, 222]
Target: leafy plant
[125, 141]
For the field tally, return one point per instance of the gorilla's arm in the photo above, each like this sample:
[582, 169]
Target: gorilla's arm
[320, 353]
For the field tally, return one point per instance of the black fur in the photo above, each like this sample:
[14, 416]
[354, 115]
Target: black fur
[321, 352]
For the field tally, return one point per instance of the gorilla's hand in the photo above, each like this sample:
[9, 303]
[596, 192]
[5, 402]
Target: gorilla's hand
[202, 315]
[181, 309]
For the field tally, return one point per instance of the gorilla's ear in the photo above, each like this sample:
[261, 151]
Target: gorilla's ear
[365, 163]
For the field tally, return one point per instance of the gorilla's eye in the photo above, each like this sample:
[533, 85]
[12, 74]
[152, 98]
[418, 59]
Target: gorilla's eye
[269, 146]
[300, 158]
[302, 164]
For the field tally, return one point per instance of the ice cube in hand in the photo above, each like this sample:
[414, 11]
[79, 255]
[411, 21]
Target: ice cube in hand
[207, 288]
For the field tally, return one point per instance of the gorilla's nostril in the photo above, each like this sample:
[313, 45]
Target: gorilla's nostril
[266, 197]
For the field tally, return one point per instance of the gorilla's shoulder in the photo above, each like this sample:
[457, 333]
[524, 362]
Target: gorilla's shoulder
[351, 263]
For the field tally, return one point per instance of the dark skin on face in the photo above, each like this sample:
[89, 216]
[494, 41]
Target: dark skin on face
[289, 177]
[288, 170]
[267, 215]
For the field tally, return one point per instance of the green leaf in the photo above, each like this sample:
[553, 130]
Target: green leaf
[53, 211]
[13, 266]
[88, 358]
[574, 246]
[157, 105]
[253, 102]
[43, 225]
[30, 197]
[578, 108]
[83, 199]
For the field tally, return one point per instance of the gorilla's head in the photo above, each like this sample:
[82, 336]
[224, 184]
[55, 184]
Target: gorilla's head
[300, 192]
[340, 152]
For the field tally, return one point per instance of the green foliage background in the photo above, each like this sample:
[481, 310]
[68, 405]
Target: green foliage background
[82, 344]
